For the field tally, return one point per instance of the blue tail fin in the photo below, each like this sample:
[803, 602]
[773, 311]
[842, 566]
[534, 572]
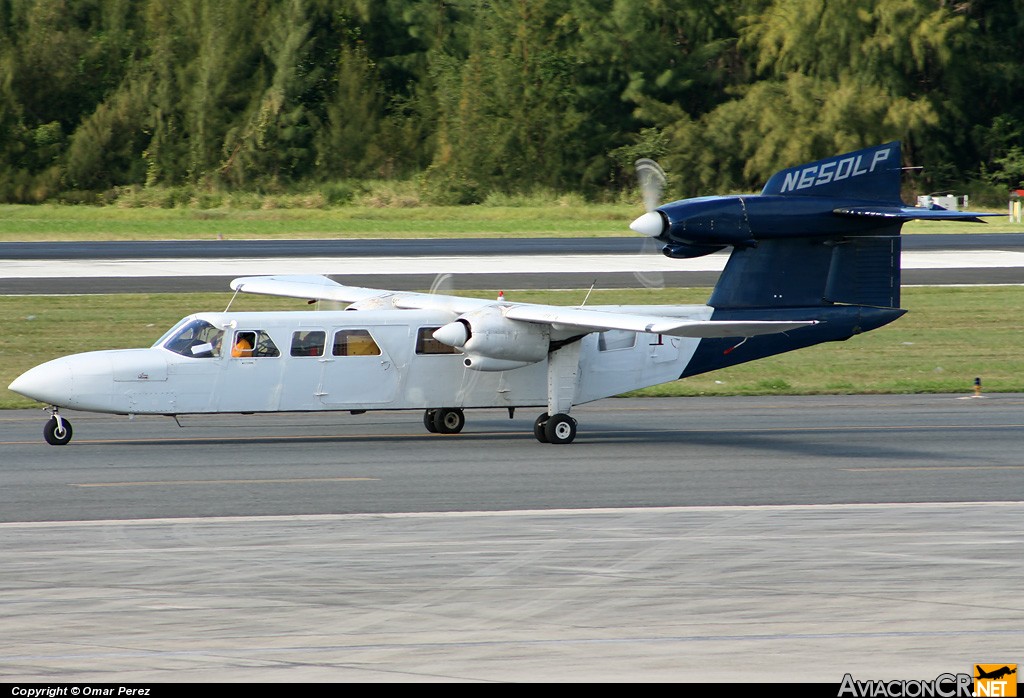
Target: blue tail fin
[871, 174]
[836, 246]
[824, 244]
[812, 272]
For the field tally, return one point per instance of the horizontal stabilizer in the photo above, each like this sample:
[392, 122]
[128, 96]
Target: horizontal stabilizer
[910, 213]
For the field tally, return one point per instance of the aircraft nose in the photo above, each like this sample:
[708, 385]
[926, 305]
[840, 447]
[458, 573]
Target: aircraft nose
[49, 383]
[650, 224]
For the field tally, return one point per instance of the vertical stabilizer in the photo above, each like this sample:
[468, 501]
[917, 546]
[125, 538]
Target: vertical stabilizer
[812, 271]
[871, 174]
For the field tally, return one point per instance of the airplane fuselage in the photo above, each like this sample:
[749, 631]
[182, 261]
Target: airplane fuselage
[337, 360]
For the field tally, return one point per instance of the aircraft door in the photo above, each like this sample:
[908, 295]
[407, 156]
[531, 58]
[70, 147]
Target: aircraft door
[252, 373]
[662, 358]
[358, 369]
[663, 348]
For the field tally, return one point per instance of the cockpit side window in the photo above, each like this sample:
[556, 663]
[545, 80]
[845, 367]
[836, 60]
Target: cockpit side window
[196, 339]
[244, 342]
[253, 343]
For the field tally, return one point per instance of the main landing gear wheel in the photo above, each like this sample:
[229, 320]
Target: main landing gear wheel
[538, 428]
[560, 429]
[448, 421]
[57, 432]
[428, 421]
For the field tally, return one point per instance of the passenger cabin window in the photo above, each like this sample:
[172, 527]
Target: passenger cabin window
[615, 339]
[426, 344]
[308, 343]
[253, 344]
[355, 343]
[196, 339]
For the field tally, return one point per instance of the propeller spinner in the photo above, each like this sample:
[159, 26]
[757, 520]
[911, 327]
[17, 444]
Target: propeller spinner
[650, 224]
[651, 180]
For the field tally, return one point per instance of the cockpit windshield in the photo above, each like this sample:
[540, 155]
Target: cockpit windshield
[171, 332]
[196, 339]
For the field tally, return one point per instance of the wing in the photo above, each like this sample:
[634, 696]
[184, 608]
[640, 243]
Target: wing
[559, 317]
[598, 320]
[324, 289]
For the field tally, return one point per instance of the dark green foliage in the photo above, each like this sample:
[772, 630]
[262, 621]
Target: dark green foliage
[472, 98]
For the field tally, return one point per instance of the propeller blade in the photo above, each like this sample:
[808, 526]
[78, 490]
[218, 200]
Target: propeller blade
[651, 179]
[442, 285]
[650, 279]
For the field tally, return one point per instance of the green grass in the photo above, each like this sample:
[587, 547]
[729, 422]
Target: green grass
[69, 223]
[950, 336]
[569, 218]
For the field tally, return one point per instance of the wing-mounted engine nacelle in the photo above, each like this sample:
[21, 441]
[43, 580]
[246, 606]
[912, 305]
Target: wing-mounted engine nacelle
[492, 342]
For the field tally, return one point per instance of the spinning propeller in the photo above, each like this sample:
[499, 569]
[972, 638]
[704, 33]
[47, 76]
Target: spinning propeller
[651, 181]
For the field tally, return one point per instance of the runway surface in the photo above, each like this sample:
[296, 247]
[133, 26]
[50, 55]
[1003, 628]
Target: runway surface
[509, 263]
[784, 538]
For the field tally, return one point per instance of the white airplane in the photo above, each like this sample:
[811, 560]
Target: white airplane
[440, 354]
[815, 259]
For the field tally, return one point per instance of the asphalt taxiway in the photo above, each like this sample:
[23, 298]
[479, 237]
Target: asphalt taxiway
[784, 538]
[629, 453]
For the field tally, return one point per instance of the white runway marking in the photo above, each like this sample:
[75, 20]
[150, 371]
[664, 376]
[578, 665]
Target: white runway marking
[496, 264]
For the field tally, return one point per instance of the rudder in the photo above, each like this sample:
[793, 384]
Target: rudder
[818, 271]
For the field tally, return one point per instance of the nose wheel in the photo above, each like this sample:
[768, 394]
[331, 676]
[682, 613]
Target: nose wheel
[57, 431]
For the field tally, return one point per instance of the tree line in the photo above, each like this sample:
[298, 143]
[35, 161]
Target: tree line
[472, 97]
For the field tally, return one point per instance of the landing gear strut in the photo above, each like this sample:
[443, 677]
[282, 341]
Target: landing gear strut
[57, 430]
[556, 426]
